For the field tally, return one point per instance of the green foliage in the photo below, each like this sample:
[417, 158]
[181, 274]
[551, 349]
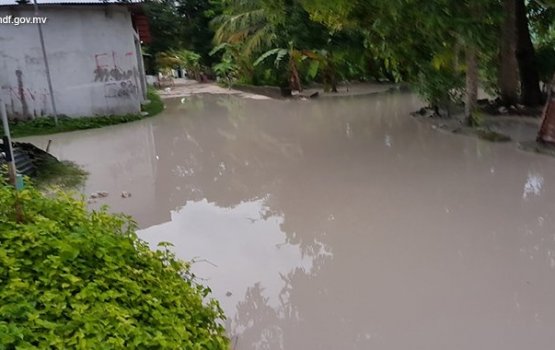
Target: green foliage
[419, 42]
[167, 60]
[189, 60]
[226, 71]
[182, 25]
[156, 104]
[279, 53]
[428, 50]
[257, 30]
[74, 279]
[63, 174]
[165, 27]
[492, 136]
[251, 23]
[440, 87]
[542, 22]
[546, 62]
[234, 60]
[47, 125]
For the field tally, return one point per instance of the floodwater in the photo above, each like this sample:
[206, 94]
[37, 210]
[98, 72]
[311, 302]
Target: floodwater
[340, 223]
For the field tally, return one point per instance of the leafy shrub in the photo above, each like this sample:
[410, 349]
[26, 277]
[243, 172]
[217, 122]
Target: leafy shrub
[63, 174]
[546, 62]
[156, 104]
[187, 59]
[440, 87]
[70, 278]
[47, 125]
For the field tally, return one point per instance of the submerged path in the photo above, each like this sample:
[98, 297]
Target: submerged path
[187, 88]
[339, 223]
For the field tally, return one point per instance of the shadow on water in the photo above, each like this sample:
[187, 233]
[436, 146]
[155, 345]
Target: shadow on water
[340, 223]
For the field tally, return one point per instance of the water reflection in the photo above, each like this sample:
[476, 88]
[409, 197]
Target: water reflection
[235, 247]
[533, 185]
[340, 224]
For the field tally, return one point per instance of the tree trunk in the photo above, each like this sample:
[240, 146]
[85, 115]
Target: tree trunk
[471, 97]
[526, 55]
[508, 72]
[547, 129]
[295, 80]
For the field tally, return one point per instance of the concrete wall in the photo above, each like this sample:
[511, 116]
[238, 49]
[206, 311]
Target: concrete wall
[93, 59]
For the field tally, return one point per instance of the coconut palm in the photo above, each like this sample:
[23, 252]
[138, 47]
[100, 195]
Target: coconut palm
[251, 23]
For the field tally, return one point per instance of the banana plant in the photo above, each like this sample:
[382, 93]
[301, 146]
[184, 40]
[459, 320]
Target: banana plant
[294, 58]
[234, 54]
[183, 58]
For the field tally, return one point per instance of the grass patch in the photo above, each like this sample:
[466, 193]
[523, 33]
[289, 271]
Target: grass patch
[156, 104]
[64, 174]
[492, 136]
[46, 125]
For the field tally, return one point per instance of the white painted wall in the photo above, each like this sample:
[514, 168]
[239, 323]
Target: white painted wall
[92, 56]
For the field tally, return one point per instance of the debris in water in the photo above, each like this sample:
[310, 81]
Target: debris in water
[228, 294]
[101, 194]
[125, 194]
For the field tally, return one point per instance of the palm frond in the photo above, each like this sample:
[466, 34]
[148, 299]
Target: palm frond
[279, 52]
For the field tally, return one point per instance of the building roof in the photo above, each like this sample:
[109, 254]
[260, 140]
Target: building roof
[140, 21]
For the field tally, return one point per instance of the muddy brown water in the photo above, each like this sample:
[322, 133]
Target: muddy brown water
[339, 223]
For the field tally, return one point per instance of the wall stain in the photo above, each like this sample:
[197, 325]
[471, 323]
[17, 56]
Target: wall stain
[119, 82]
[122, 89]
[22, 97]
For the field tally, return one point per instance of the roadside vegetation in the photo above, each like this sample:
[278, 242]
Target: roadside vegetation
[47, 125]
[44, 170]
[63, 174]
[70, 278]
[446, 50]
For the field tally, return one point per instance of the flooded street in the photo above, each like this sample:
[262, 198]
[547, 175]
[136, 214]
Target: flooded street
[339, 223]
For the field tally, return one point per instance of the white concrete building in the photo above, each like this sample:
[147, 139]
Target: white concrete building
[94, 56]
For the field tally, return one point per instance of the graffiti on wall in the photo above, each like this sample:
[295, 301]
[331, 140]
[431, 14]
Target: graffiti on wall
[121, 89]
[118, 73]
[23, 102]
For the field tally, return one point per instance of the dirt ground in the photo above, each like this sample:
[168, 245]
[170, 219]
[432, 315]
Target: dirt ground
[517, 129]
[186, 88]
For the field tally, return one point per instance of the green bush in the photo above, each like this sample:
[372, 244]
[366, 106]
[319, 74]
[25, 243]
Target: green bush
[156, 104]
[546, 62]
[47, 125]
[70, 278]
[440, 87]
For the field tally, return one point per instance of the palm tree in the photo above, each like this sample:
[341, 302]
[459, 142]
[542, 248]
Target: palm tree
[294, 57]
[250, 23]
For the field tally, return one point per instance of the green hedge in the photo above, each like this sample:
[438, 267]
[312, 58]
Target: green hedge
[70, 278]
[47, 125]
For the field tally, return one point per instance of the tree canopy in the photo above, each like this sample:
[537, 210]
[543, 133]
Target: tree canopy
[443, 48]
